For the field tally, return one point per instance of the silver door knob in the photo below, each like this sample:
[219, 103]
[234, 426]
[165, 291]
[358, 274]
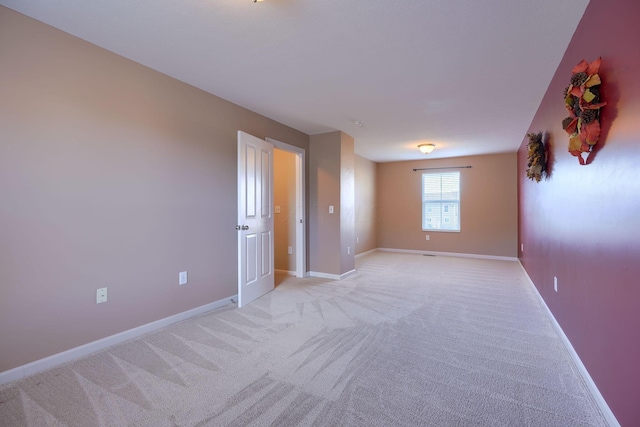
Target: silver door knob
[245, 227]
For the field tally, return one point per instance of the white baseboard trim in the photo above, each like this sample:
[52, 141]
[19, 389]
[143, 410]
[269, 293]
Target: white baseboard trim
[602, 404]
[92, 347]
[287, 272]
[347, 274]
[451, 254]
[331, 276]
[366, 253]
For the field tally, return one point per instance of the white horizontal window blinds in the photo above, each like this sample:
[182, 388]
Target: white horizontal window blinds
[441, 201]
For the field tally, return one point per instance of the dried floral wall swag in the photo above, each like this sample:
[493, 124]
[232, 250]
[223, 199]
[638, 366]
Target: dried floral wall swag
[582, 101]
[537, 157]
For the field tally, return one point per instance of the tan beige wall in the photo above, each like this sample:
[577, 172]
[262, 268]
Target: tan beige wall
[488, 207]
[347, 204]
[324, 191]
[284, 198]
[365, 205]
[331, 183]
[111, 175]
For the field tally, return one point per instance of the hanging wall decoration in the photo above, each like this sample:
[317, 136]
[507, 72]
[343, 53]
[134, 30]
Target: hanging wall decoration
[582, 101]
[537, 157]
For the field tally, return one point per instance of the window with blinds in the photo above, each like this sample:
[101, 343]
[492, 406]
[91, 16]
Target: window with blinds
[441, 201]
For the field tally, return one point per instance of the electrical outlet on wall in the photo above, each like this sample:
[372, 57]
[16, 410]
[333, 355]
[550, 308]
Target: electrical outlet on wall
[290, 250]
[426, 237]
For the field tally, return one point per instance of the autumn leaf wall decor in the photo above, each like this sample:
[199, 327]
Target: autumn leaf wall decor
[536, 157]
[582, 101]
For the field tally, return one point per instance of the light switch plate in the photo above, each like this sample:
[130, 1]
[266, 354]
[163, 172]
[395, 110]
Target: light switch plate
[182, 278]
[101, 295]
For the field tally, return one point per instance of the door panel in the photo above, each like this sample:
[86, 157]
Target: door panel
[267, 197]
[251, 248]
[267, 262]
[255, 218]
[250, 179]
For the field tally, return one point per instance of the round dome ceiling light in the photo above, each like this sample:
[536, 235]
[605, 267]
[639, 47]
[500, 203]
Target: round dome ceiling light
[426, 148]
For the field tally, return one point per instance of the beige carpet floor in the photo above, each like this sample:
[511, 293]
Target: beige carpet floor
[409, 340]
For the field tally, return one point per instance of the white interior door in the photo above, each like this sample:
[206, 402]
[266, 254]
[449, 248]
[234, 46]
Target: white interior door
[255, 218]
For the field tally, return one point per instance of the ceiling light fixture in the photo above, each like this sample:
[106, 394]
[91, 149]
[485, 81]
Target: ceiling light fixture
[357, 123]
[256, 1]
[426, 148]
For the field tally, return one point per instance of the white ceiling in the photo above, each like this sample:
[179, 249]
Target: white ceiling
[466, 75]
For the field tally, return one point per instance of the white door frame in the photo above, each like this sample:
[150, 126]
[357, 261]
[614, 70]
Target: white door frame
[301, 249]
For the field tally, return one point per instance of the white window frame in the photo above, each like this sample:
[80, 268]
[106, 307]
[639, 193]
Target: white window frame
[429, 220]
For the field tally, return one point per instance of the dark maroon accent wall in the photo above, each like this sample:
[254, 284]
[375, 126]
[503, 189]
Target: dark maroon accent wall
[582, 223]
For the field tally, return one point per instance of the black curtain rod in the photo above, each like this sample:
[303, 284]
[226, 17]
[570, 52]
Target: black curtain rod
[450, 167]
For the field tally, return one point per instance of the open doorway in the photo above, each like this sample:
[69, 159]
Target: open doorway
[289, 211]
